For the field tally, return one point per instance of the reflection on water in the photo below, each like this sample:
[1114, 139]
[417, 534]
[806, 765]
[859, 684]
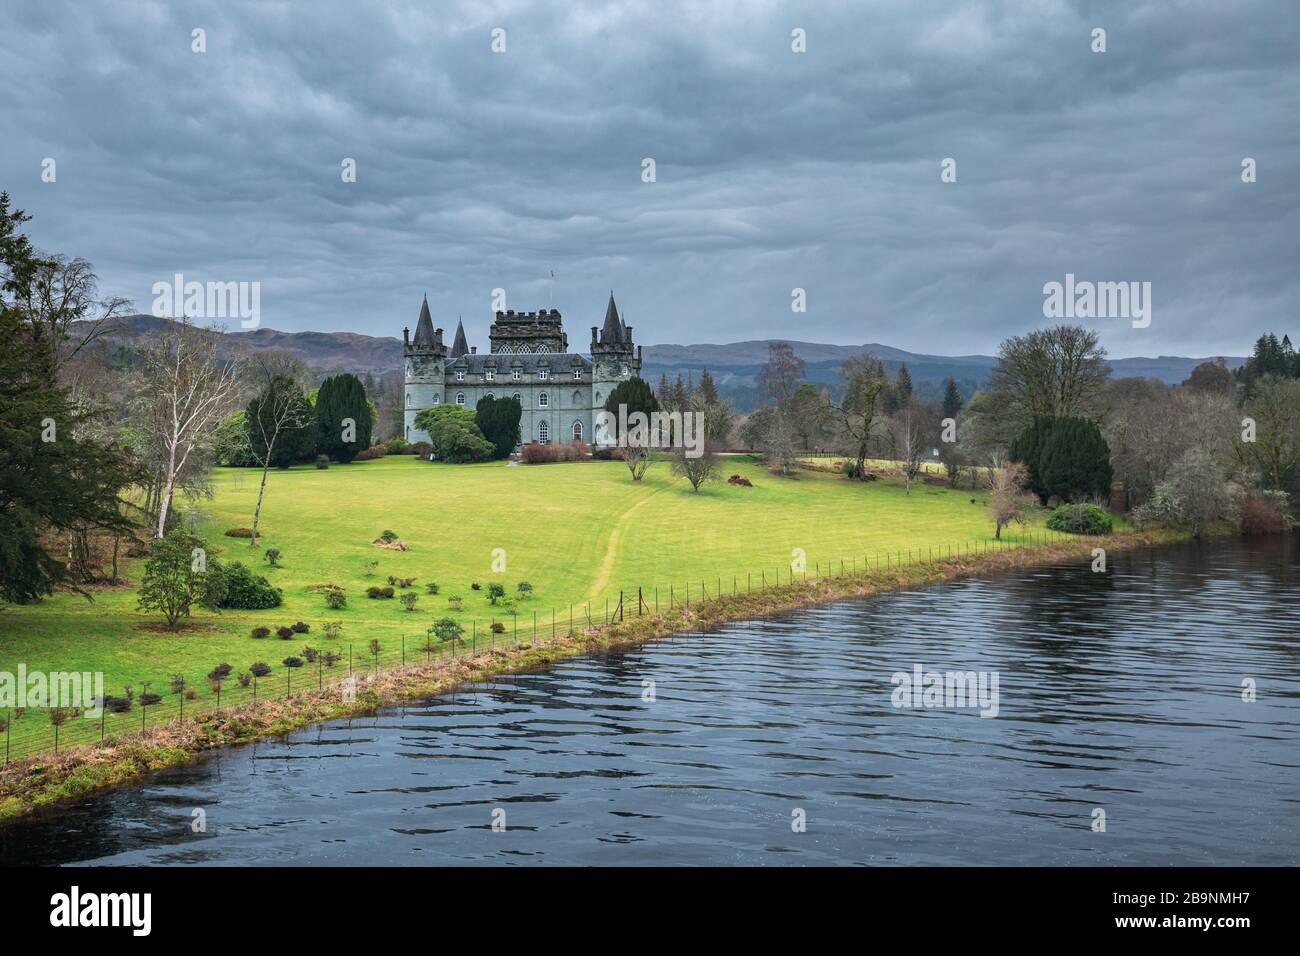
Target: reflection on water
[1119, 691]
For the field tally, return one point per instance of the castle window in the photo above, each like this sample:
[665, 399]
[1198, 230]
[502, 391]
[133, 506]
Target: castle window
[490, 375]
[460, 398]
[488, 395]
[515, 374]
[543, 400]
[577, 431]
[408, 399]
[460, 375]
[437, 398]
[543, 373]
[543, 433]
[515, 396]
[577, 374]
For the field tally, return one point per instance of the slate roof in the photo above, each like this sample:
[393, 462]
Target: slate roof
[459, 346]
[424, 328]
[527, 362]
[612, 333]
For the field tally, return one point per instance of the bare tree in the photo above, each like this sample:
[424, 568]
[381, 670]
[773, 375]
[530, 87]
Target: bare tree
[909, 436]
[1008, 500]
[188, 390]
[1275, 408]
[1052, 372]
[864, 382]
[278, 409]
[65, 310]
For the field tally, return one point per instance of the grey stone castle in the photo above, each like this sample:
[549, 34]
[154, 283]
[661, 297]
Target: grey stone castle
[529, 359]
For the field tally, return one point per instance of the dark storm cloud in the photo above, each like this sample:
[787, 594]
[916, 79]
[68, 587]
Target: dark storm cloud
[775, 170]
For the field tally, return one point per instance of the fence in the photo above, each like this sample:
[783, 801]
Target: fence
[32, 732]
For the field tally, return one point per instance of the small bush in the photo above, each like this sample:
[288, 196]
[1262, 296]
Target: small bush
[431, 587]
[244, 678]
[409, 600]
[178, 683]
[498, 627]
[259, 669]
[371, 453]
[261, 632]
[244, 590]
[284, 633]
[495, 592]
[454, 602]
[292, 662]
[388, 536]
[239, 533]
[272, 556]
[524, 589]
[1080, 519]
[336, 599]
[191, 694]
[331, 658]
[117, 705]
[220, 672]
[376, 592]
[476, 586]
[405, 582]
[148, 700]
[333, 629]
[421, 449]
[368, 568]
[309, 654]
[300, 627]
[535, 453]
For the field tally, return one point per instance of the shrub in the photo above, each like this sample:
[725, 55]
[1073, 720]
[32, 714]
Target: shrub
[371, 453]
[421, 449]
[284, 633]
[431, 587]
[244, 678]
[498, 627]
[322, 461]
[1080, 519]
[261, 632]
[310, 654]
[220, 672]
[1263, 512]
[375, 592]
[388, 537]
[524, 589]
[368, 568]
[178, 683]
[148, 700]
[292, 662]
[239, 533]
[117, 705]
[446, 629]
[476, 586]
[336, 599]
[245, 590]
[259, 669]
[495, 592]
[405, 582]
[300, 627]
[397, 445]
[331, 658]
[273, 557]
[191, 694]
[333, 629]
[454, 602]
[409, 600]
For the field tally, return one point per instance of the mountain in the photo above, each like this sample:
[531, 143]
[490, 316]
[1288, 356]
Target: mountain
[734, 365]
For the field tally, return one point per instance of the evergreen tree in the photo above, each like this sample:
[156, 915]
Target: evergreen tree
[952, 401]
[634, 393]
[498, 420]
[903, 385]
[708, 390]
[279, 424]
[342, 397]
[1066, 457]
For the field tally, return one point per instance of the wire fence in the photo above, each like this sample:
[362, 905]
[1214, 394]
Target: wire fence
[36, 730]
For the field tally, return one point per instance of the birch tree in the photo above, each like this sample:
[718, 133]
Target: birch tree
[273, 418]
[188, 389]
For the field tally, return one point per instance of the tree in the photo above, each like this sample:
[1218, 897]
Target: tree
[177, 577]
[498, 420]
[810, 412]
[343, 418]
[902, 386]
[629, 398]
[280, 424]
[708, 389]
[910, 434]
[452, 433]
[53, 474]
[1212, 378]
[863, 379]
[188, 390]
[1194, 495]
[1056, 373]
[1065, 457]
[781, 375]
[952, 401]
[701, 464]
[1275, 452]
[1007, 499]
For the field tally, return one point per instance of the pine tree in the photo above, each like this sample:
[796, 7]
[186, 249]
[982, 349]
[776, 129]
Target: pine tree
[903, 385]
[952, 402]
[708, 390]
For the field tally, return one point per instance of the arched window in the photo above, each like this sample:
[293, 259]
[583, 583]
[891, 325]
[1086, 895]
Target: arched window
[460, 398]
[576, 398]
[408, 399]
[488, 395]
[543, 401]
[515, 396]
[577, 431]
[543, 433]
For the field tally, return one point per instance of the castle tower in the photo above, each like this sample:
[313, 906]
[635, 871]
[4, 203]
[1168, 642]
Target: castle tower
[423, 354]
[614, 358]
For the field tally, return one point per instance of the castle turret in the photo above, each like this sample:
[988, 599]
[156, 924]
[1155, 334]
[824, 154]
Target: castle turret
[614, 358]
[424, 354]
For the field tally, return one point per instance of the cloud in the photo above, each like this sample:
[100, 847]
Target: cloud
[775, 170]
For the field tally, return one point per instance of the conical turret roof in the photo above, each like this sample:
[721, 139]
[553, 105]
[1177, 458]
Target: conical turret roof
[459, 346]
[423, 328]
[612, 332]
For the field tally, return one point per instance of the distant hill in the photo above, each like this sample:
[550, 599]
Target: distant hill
[734, 365]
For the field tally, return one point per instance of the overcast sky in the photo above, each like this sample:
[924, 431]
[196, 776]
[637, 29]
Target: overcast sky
[775, 170]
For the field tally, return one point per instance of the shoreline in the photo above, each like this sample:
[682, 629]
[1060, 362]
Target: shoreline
[45, 779]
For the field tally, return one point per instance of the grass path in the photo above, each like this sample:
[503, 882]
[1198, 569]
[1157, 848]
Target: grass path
[606, 569]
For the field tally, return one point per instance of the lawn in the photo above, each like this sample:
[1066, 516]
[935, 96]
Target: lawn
[577, 532]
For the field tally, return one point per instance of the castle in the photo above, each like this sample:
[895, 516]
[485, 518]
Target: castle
[559, 391]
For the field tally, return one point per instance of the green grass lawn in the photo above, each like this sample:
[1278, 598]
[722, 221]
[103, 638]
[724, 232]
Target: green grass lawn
[578, 532]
